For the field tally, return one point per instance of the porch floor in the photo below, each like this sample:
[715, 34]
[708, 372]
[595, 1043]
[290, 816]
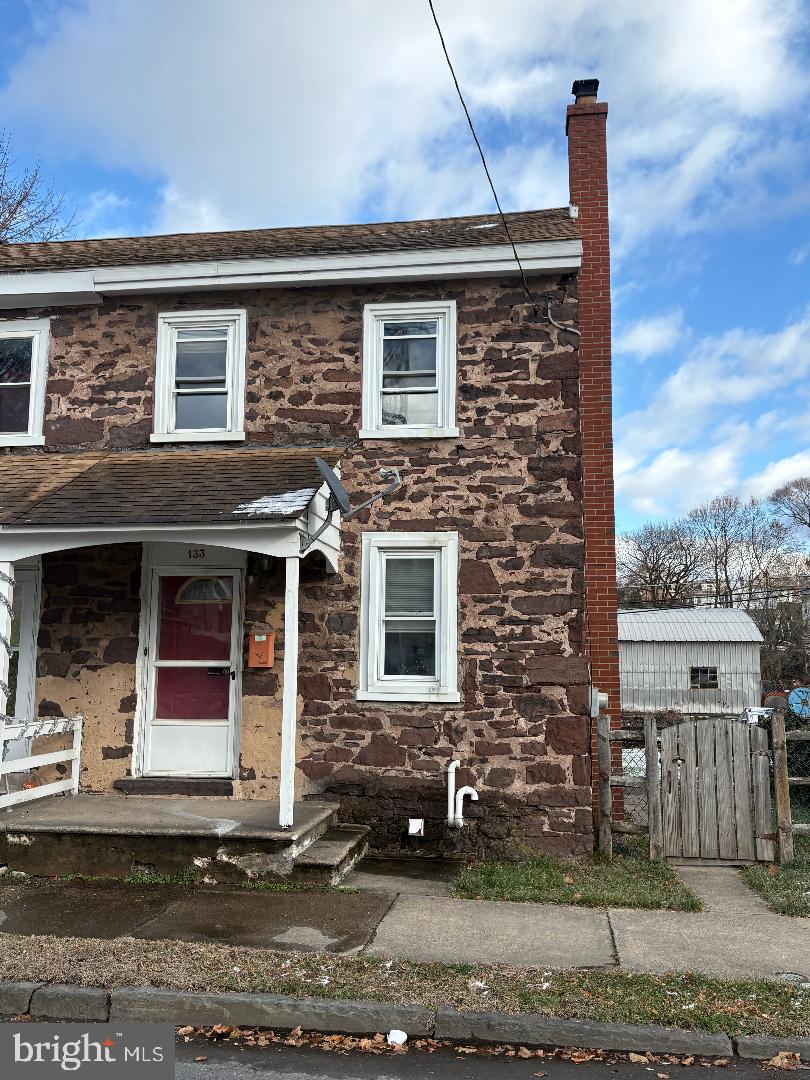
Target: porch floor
[151, 815]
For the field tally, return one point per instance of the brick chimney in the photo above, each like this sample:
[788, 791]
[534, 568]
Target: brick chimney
[585, 126]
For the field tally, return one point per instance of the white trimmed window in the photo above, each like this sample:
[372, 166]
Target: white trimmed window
[200, 376]
[408, 629]
[409, 370]
[23, 373]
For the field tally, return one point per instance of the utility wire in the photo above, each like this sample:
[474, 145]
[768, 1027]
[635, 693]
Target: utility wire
[526, 289]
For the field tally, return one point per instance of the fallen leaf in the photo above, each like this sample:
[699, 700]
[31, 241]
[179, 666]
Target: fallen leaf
[202, 1057]
[785, 1060]
[773, 870]
[185, 1030]
[638, 1059]
[662, 1076]
[523, 1052]
[688, 1060]
[720, 1062]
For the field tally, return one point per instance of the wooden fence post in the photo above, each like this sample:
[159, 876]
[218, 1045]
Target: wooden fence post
[654, 820]
[784, 822]
[605, 795]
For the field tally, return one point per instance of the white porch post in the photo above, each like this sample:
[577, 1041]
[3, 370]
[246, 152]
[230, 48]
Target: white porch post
[290, 694]
[6, 602]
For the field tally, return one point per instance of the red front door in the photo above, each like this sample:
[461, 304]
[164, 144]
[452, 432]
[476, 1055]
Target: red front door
[193, 676]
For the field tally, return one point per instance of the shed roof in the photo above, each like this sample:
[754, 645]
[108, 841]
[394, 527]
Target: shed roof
[687, 624]
[457, 232]
[159, 486]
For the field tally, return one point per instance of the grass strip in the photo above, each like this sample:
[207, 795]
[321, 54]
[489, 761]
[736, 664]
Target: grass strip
[623, 881]
[685, 1001]
[787, 890]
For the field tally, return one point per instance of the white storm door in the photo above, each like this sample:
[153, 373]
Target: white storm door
[194, 655]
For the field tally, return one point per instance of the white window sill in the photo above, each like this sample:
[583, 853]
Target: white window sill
[197, 436]
[406, 432]
[425, 696]
[22, 440]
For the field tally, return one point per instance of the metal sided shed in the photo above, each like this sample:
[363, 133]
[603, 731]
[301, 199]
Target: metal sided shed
[689, 660]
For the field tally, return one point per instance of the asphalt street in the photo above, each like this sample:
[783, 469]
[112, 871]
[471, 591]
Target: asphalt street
[224, 1062]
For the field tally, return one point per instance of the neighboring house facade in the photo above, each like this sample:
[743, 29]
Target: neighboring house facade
[162, 403]
[697, 661]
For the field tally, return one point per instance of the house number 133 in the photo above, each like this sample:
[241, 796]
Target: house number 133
[196, 553]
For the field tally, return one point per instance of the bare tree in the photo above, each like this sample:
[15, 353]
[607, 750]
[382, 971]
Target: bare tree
[30, 208]
[660, 564]
[792, 502]
[721, 530]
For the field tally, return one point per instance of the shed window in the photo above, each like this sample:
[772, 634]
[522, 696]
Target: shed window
[703, 678]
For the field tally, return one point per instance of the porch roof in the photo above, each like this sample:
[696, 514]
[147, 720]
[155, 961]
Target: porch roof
[149, 487]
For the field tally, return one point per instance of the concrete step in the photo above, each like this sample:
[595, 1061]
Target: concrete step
[218, 840]
[327, 860]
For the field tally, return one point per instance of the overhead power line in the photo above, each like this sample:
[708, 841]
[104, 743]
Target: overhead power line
[531, 297]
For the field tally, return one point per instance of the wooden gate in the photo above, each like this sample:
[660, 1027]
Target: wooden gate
[716, 791]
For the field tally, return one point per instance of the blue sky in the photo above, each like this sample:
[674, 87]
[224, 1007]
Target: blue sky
[197, 114]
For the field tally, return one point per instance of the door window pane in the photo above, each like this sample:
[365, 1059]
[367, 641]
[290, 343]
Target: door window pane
[192, 694]
[15, 359]
[192, 631]
[196, 412]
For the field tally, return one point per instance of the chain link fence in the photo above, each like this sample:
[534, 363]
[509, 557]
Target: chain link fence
[798, 761]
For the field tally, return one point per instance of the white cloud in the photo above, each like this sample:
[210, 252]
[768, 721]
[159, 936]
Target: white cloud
[102, 213]
[732, 398]
[777, 473]
[650, 336]
[322, 112]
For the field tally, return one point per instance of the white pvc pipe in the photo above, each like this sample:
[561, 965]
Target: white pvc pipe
[451, 793]
[459, 807]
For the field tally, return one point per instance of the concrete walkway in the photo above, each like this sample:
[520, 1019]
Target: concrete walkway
[735, 937]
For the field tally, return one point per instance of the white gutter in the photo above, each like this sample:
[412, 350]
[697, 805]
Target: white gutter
[41, 288]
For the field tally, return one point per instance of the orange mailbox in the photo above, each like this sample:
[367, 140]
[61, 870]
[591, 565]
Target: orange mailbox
[261, 650]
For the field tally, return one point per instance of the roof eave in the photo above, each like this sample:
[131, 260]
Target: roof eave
[44, 288]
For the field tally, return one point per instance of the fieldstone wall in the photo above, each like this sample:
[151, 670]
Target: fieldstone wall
[510, 484]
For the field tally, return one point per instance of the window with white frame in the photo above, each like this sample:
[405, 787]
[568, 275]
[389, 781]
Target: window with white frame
[409, 370]
[408, 635]
[200, 376]
[23, 373]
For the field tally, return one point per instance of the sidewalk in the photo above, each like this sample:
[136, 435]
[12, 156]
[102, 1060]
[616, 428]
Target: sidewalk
[736, 936]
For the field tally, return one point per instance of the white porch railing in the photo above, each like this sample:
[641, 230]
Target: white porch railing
[11, 731]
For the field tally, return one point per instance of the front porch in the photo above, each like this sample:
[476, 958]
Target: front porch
[211, 840]
[139, 584]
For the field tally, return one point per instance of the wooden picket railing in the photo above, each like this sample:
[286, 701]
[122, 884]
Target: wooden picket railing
[33, 729]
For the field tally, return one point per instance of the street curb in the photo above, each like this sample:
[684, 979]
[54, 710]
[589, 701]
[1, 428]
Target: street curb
[50, 1001]
[268, 1010]
[533, 1030]
[61, 1001]
[759, 1048]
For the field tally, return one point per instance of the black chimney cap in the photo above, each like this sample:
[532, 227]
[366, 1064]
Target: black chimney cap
[585, 88]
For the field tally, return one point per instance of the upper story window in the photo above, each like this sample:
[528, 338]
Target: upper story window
[23, 373]
[200, 376]
[409, 370]
[408, 636]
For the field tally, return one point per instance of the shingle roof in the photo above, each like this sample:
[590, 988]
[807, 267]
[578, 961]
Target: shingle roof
[687, 624]
[158, 487]
[481, 230]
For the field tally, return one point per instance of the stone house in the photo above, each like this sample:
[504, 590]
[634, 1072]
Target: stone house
[163, 400]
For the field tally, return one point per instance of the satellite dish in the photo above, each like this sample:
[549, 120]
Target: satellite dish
[799, 701]
[338, 496]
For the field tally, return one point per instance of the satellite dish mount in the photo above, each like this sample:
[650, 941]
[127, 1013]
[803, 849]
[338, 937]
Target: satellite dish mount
[339, 498]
